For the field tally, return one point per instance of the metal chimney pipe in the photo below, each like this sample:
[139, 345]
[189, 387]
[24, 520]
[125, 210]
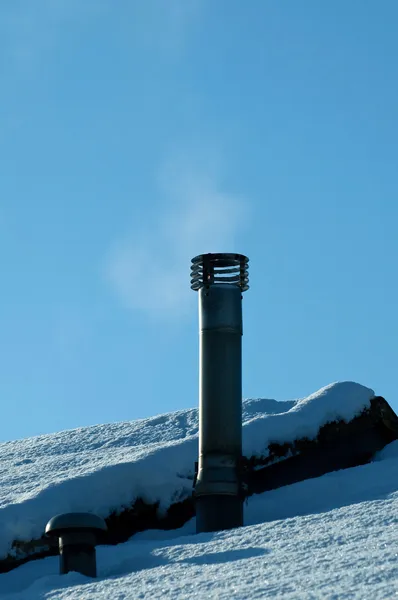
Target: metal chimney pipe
[220, 280]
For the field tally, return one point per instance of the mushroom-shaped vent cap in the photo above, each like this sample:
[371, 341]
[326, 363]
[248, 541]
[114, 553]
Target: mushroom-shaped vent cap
[75, 522]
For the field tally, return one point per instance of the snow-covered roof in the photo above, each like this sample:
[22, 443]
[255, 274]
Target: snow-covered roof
[327, 537]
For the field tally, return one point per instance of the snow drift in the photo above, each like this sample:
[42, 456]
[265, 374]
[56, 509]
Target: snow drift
[103, 469]
[329, 537]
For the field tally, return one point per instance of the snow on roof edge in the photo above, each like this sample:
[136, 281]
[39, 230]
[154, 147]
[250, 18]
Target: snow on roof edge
[164, 471]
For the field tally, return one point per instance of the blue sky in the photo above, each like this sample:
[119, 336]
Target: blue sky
[136, 135]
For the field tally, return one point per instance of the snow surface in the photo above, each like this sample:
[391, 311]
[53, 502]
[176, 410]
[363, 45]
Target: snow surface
[104, 468]
[329, 537]
[334, 538]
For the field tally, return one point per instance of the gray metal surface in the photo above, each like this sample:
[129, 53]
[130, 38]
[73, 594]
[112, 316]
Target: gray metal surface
[77, 533]
[220, 367]
[80, 558]
[216, 513]
[229, 268]
[220, 280]
[74, 521]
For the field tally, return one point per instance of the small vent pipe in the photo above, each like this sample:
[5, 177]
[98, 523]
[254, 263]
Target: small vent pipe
[220, 280]
[78, 534]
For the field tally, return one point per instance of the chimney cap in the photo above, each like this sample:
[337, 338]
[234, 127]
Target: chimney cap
[77, 521]
[220, 268]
